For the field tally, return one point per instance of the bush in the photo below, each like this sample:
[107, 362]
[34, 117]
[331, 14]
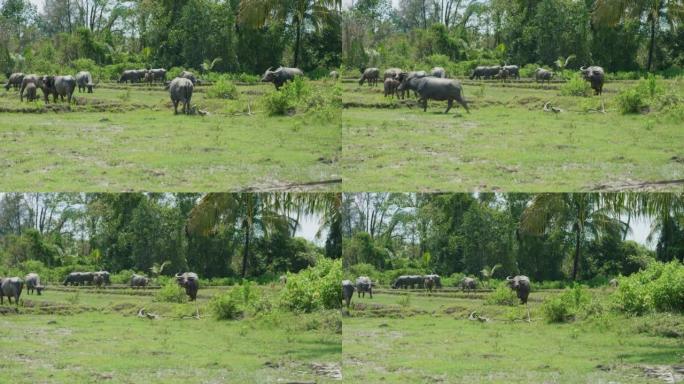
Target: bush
[502, 295]
[122, 277]
[226, 307]
[576, 86]
[363, 269]
[223, 89]
[630, 101]
[317, 287]
[171, 293]
[566, 306]
[658, 288]
[290, 95]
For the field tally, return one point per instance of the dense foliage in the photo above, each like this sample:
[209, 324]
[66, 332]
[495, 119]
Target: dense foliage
[634, 36]
[317, 287]
[203, 35]
[658, 288]
[215, 235]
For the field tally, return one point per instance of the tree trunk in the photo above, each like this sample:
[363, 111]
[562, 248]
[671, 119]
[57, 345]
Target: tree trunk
[575, 262]
[651, 46]
[245, 253]
[298, 40]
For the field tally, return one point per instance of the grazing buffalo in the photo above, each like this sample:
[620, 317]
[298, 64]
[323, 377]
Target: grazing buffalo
[334, 75]
[400, 282]
[14, 80]
[513, 71]
[416, 281]
[189, 281]
[370, 75]
[503, 74]
[541, 75]
[595, 75]
[79, 278]
[347, 292]
[281, 76]
[484, 72]
[132, 75]
[391, 85]
[431, 88]
[31, 79]
[409, 81]
[613, 283]
[521, 285]
[188, 75]
[436, 279]
[59, 86]
[391, 73]
[363, 285]
[429, 283]
[156, 75]
[139, 281]
[438, 72]
[100, 278]
[31, 92]
[33, 283]
[180, 91]
[468, 284]
[11, 287]
[85, 81]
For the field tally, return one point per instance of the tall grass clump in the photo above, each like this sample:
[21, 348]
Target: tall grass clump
[658, 288]
[234, 303]
[565, 306]
[317, 287]
[576, 86]
[502, 295]
[648, 92]
[223, 89]
[286, 100]
[171, 293]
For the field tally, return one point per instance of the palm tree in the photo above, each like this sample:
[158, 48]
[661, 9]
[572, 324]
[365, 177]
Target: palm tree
[252, 213]
[655, 12]
[257, 13]
[580, 215]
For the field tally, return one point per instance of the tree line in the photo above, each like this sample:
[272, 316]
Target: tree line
[221, 35]
[550, 236]
[215, 235]
[620, 36]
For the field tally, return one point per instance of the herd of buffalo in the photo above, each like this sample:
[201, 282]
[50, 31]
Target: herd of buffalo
[12, 287]
[520, 284]
[436, 85]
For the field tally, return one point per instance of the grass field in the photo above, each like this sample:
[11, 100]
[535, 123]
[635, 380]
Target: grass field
[430, 339]
[94, 337]
[127, 138]
[507, 142]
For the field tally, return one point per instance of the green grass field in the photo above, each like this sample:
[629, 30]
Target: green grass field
[430, 339]
[96, 337]
[507, 142]
[127, 138]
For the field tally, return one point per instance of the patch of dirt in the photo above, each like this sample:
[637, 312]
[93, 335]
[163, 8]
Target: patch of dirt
[330, 370]
[677, 159]
[670, 374]
[275, 186]
[641, 186]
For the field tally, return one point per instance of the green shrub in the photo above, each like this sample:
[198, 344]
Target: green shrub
[576, 86]
[223, 89]
[122, 277]
[502, 295]
[363, 269]
[291, 95]
[630, 101]
[238, 301]
[317, 287]
[171, 293]
[565, 307]
[226, 307]
[658, 288]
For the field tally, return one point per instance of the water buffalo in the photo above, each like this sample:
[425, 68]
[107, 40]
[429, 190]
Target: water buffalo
[31, 92]
[595, 76]
[79, 278]
[468, 284]
[429, 283]
[180, 91]
[280, 76]
[613, 283]
[513, 71]
[363, 285]
[59, 86]
[156, 75]
[139, 281]
[542, 75]
[409, 81]
[33, 283]
[189, 281]
[391, 85]
[132, 75]
[334, 75]
[14, 80]
[391, 73]
[85, 81]
[483, 71]
[188, 75]
[521, 285]
[438, 72]
[431, 88]
[11, 287]
[400, 282]
[283, 279]
[436, 279]
[416, 281]
[347, 292]
[31, 79]
[503, 74]
[370, 75]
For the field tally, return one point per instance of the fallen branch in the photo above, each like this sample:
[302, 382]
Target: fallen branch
[474, 316]
[144, 314]
[552, 109]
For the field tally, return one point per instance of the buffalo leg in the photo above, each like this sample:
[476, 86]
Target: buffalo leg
[449, 104]
[370, 292]
[425, 105]
[175, 107]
